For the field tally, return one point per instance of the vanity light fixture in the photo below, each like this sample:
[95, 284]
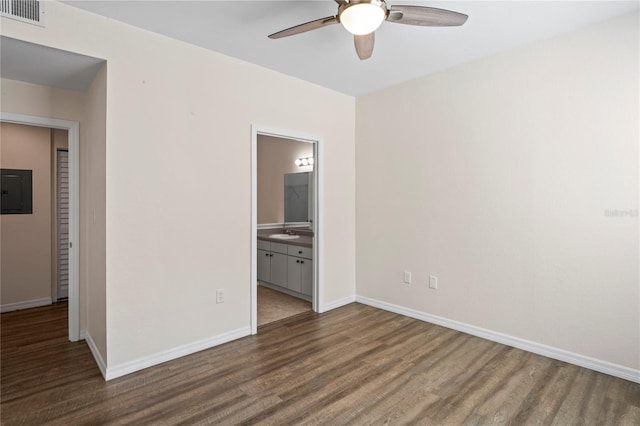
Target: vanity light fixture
[302, 162]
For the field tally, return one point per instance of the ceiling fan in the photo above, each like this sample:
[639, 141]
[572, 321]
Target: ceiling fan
[363, 17]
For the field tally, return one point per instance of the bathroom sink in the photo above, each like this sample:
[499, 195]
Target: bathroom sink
[284, 236]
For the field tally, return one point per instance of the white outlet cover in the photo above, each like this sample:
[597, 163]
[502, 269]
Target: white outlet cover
[407, 277]
[433, 282]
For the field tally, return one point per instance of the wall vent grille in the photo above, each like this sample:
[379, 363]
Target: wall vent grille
[31, 11]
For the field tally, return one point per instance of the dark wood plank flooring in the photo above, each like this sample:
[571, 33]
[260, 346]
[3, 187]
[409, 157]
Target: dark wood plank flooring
[355, 365]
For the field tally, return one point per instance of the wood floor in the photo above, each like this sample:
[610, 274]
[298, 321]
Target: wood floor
[275, 306]
[355, 365]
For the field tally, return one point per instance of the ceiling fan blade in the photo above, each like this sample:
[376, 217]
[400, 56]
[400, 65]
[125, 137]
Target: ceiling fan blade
[426, 16]
[307, 26]
[341, 2]
[364, 45]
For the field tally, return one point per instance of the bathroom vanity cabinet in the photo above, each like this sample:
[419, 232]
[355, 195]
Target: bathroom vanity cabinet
[286, 267]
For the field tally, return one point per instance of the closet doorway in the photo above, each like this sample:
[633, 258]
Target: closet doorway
[73, 231]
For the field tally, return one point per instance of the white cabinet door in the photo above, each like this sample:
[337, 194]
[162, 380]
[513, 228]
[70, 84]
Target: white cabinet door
[293, 273]
[279, 269]
[300, 275]
[306, 276]
[264, 265]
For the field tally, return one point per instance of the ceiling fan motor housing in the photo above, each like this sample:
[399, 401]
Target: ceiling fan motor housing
[361, 17]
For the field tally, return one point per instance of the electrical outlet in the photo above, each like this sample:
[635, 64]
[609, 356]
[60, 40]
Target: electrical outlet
[220, 295]
[407, 277]
[433, 282]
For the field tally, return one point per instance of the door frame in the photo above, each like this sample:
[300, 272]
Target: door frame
[318, 241]
[73, 129]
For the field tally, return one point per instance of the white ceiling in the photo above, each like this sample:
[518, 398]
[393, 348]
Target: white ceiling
[327, 56]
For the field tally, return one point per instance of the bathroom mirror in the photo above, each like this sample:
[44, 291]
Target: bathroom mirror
[298, 197]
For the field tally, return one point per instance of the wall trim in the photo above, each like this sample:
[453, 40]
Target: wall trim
[171, 354]
[282, 225]
[269, 225]
[516, 342]
[102, 366]
[325, 307]
[9, 307]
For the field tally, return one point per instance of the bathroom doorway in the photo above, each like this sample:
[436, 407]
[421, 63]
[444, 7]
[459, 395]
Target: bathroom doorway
[286, 219]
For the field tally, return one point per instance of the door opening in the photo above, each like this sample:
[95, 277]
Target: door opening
[294, 268]
[73, 207]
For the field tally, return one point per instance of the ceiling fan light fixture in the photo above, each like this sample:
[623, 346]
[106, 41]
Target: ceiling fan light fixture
[363, 18]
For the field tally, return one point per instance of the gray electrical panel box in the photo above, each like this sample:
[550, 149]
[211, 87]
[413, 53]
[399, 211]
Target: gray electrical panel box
[16, 190]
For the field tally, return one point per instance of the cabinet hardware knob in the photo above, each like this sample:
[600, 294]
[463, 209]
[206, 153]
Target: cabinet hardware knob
[302, 261]
[300, 252]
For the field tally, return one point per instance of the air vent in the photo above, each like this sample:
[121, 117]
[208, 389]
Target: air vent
[31, 11]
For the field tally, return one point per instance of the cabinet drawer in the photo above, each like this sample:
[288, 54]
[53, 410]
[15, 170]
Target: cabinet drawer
[279, 248]
[264, 245]
[306, 252]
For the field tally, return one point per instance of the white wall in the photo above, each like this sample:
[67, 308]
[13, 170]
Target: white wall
[93, 207]
[495, 176]
[178, 214]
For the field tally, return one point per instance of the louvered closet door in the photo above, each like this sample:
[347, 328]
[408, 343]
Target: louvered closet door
[63, 224]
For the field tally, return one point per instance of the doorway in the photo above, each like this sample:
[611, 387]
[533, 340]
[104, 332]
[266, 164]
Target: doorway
[305, 274]
[73, 159]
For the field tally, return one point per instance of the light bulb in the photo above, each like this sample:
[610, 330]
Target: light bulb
[311, 161]
[298, 162]
[362, 18]
[305, 162]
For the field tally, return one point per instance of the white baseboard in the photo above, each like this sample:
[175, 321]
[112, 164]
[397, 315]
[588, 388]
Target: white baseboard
[537, 348]
[8, 307]
[96, 353]
[170, 354]
[325, 307]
